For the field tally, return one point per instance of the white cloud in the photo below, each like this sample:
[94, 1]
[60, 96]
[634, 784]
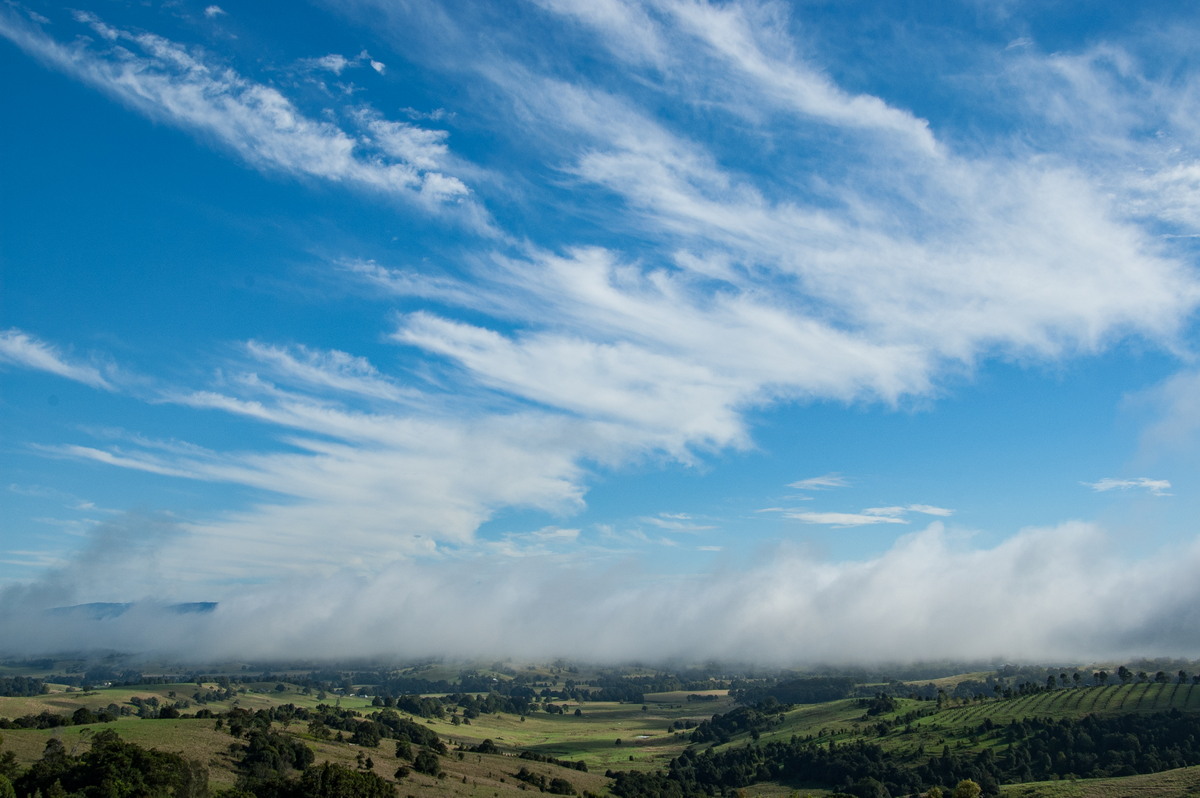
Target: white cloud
[750, 39]
[333, 62]
[330, 370]
[900, 271]
[1156, 487]
[424, 148]
[843, 519]
[789, 609]
[625, 29]
[677, 522]
[926, 509]
[214, 11]
[19, 348]
[929, 509]
[823, 482]
[170, 82]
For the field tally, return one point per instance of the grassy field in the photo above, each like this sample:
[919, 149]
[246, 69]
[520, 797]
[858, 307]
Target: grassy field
[466, 773]
[645, 738]
[1181, 783]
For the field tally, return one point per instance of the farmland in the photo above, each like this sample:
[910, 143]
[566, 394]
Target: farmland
[572, 727]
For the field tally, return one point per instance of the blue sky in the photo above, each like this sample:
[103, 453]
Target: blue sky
[768, 316]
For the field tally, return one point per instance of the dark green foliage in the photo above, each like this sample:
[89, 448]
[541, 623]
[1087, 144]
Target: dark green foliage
[367, 733]
[422, 707]
[529, 777]
[560, 786]
[389, 724]
[808, 690]
[721, 728]
[113, 767]
[8, 765]
[43, 720]
[868, 787]
[427, 762]
[327, 780]
[881, 704]
[579, 765]
[269, 754]
[557, 786]
[21, 686]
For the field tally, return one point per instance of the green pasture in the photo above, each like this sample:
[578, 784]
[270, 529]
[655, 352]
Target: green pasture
[591, 737]
[254, 697]
[1181, 783]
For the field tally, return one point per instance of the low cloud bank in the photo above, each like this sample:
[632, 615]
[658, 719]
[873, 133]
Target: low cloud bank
[1052, 594]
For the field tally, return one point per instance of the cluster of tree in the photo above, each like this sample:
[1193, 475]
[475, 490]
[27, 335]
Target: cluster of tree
[722, 728]
[394, 727]
[879, 704]
[617, 686]
[110, 766]
[152, 707]
[556, 785]
[327, 780]
[580, 765]
[798, 762]
[49, 720]
[804, 690]
[222, 693]
[21, 686]
[268, 754]
[473, 706]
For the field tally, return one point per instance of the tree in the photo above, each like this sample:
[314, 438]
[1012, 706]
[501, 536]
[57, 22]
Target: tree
[329, 780]
[868, 787]
[560, 786]
[967, 788]
[366, 733]
[427, 763]
[1124, 674]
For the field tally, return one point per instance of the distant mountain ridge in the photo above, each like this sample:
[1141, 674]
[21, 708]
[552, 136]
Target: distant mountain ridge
[102, 610]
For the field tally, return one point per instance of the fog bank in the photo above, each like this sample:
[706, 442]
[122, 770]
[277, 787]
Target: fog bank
[1051, 594]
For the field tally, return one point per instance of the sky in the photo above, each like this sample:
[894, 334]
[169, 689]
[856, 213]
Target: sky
[607, 329]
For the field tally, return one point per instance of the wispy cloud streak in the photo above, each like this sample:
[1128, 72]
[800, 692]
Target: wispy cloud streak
[170, 82]
[1155, 487]
[19, 348]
